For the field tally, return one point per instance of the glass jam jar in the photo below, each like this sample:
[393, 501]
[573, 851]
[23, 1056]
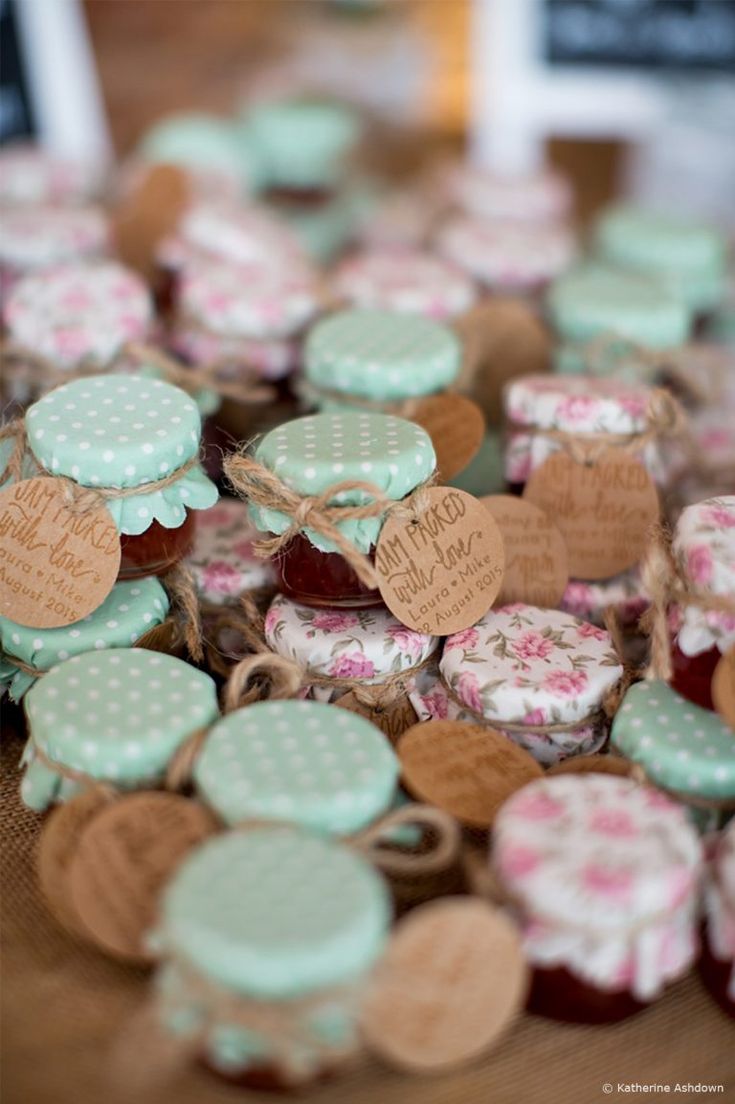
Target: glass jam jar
[314, 453]
[269, 981]
[404, 280]
[703, 547]
[717, 963]
[33, 239]
[378, 358]
[124, 431]
[603, 877]
[125, 712]
[527, 668]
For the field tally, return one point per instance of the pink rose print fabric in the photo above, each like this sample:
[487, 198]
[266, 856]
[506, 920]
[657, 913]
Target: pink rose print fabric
[30, 176]
[364, 645]
[240, 234]
[505, 255]
[605, 874]
[719, 901]
[533, 198]
[34, 238]
[527, 666]
[223, 560]
[589, 600]
[704, 549]
[404, 280]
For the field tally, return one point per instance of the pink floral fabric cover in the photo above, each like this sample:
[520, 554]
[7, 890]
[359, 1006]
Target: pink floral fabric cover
[573, 404]
[589, 600]
[364, 645]
[230, 232]
[525, 665]
[75, 312]
[223, 561]
[604, 874]
[506, 255]
[268, 360]
[533, 198]
[33, 238]
[704, 548]
[404, 280]
[719, 902]
[30, 176]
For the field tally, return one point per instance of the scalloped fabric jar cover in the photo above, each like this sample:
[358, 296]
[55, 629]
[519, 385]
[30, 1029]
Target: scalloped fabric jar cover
[36, 238]
[301, 761]
[379, 355]
[589, 600]
[116, 715]
[223, 560]
[404, 280]
[718, 959]
[230, 232]
[124, 431]
[604, 876]
[367, 646]
[129, 610]
[302, 945]
[507, 257]
[313, 453]
[30, 176]
[528, 666]
[536, 198]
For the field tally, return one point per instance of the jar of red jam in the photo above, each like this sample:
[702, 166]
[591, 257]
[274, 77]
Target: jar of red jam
[602, 875]
[717, 963]
[404, 280]
[119, 432]
[703, 547]
[312, 454]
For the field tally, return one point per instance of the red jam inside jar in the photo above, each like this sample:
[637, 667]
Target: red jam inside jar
[157, 550]
[558, 995]
[692, 675]
[316, 578]
[716, 974]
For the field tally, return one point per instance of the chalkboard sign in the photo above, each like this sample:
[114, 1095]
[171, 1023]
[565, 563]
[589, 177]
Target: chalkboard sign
[675, 35]
[16, 110]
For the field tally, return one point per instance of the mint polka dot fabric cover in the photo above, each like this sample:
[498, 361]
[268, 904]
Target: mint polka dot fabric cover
[404, 280]
[682, 748]
[33, 238]
[116, 715]
[365, 645]
[381, 355]
[302, 143]
[604, 874]
[129, 610]
[269, 914]
[223, 561]
[311, 454]
[79, 312]
[703, 546]
[525, 665]
[124, 431]
[306, 762]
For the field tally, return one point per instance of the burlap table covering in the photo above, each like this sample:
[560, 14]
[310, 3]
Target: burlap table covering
[69, 1026]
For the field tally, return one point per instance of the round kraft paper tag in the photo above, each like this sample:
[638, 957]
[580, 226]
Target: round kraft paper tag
[124, 858]
[604, 510]
[723, 688]
[535, 554]
[456, 426]
[452, 979]
[441, 572]
[56, 566]
[466, 770]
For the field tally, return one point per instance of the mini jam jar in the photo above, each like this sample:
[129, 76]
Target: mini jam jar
[404, 280]
[223, 560]
[31, 176]
[594, 301]
[603, 877]
[525, 666]
[689, 257]
[717, 963]
[590, 599]
[302, 761]
[367, 646]
[505, 257]
[127, 613]
[247, 314]
[269, 980]
[117, 716]
[312, 454]
[127, 431]
[36, 238]
[683, 749]
[380, 357]
[703, 547]
[535, 198]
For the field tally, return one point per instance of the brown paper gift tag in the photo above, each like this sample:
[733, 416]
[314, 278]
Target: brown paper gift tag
[593, 764]
[604, 510]
[465, 769]
[56, 848]
[125, 857]
[456, 426]
[439, 574]
[57, 566]
[535, 554]
[148, 215]
[450, 983]
[723, 688]
[392, 720]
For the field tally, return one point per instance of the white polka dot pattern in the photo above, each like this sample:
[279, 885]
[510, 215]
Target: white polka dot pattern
[300, 761]
[274, 912]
